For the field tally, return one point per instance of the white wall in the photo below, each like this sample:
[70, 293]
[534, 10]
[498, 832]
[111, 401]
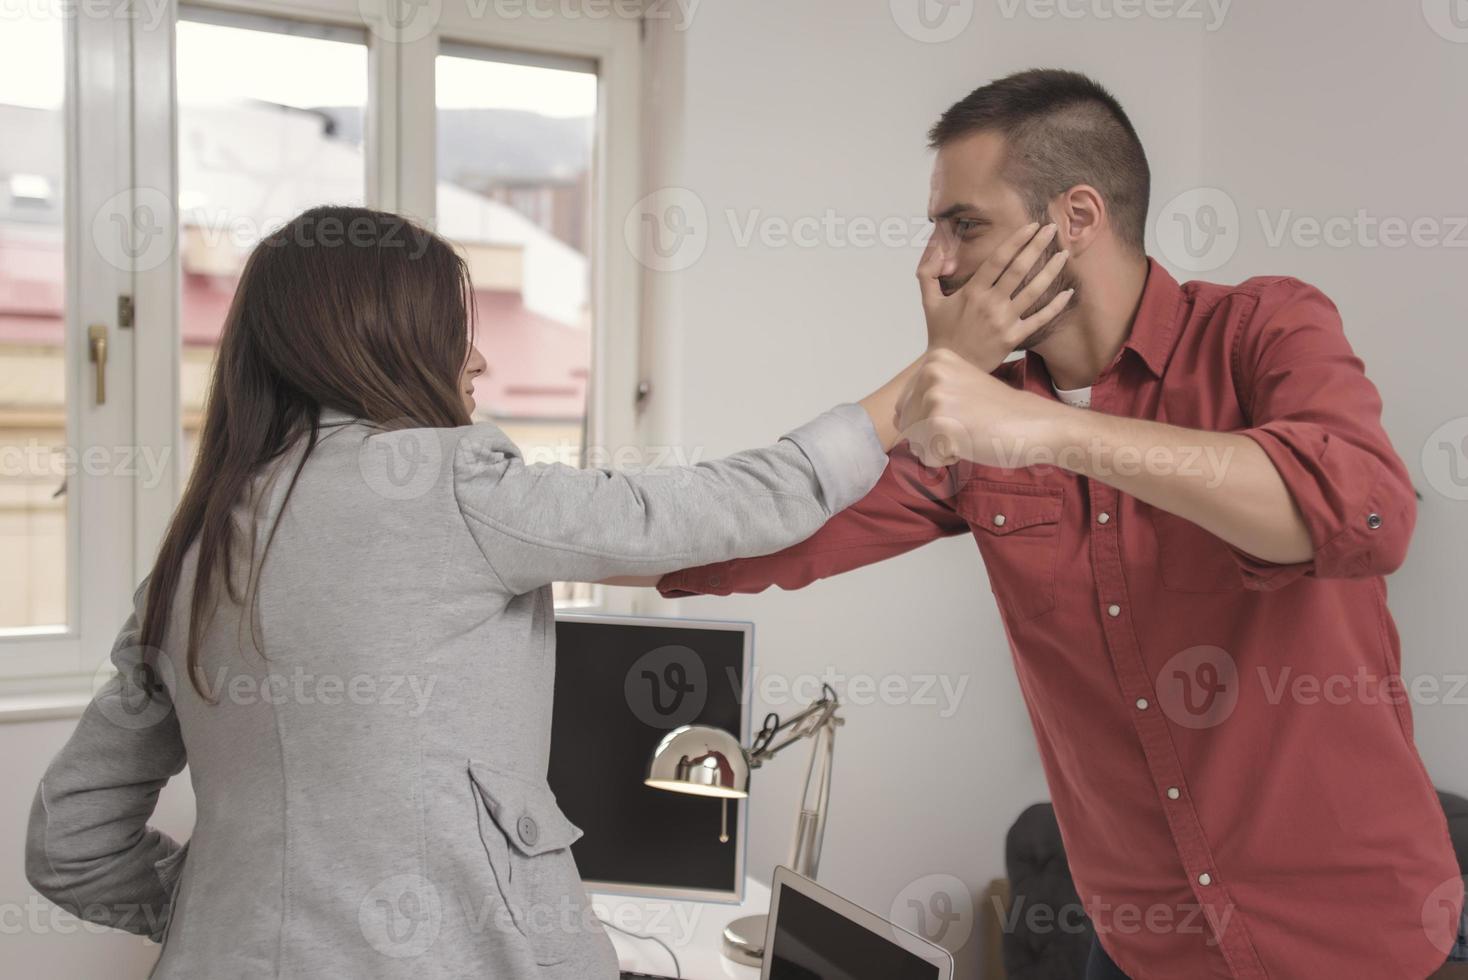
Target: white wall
[794, 110]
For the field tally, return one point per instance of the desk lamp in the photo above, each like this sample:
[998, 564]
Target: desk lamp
[707, 761]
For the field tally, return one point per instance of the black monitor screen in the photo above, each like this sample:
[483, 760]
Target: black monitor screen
[813, 942]
[619, 689]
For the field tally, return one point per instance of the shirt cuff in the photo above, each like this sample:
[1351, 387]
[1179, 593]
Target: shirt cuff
[705, 580]
[1359, 520]
[844, 450]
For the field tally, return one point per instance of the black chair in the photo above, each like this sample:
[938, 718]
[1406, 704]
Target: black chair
[1047, 934]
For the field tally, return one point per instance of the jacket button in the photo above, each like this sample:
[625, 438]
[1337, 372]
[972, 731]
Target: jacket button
[1373, 521]
[998, 520]
[529, 832]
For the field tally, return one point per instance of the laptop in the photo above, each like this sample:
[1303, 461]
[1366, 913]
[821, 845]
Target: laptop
[815, 934]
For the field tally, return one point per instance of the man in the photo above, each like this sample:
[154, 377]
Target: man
[1185, 503]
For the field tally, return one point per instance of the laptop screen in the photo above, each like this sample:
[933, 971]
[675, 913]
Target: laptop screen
[813, 942]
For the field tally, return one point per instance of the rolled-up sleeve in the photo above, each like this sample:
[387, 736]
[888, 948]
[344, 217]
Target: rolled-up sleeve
[1318, 417]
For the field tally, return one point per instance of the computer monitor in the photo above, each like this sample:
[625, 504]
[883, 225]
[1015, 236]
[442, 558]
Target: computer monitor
[622, 683]
[814, 934]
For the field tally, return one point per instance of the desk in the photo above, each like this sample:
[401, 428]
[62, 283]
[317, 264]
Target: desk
[693, 929]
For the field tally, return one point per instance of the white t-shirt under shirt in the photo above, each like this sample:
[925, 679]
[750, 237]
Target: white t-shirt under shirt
[1076, 397]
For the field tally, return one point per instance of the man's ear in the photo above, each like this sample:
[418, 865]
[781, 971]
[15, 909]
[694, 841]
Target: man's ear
[1080, 215]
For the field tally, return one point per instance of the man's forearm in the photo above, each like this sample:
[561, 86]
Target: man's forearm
[1221, 481]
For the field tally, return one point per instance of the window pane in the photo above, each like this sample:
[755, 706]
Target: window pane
[270, 119]
[515, 139]
[33, 416]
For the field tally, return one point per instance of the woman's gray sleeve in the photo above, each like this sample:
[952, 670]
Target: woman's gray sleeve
[89, 848]
[538, 524]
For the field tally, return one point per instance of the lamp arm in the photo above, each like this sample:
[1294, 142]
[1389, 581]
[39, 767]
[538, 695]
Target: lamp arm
[819, 722]
[810, 814]
[820, 714]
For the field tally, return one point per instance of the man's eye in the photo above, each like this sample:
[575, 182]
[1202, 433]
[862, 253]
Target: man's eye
[965, 226]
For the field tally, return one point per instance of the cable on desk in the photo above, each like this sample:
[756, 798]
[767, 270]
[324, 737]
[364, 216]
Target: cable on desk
[677, 970]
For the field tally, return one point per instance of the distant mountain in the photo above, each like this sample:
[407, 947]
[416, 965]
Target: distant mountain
[480, 146]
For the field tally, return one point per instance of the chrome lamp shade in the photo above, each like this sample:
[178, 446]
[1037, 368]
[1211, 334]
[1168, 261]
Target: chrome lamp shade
[701, 760]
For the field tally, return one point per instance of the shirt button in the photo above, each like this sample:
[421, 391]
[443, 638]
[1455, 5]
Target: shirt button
[1205, 879]
[1113, 610]
[1373, 521]
[998, 520]
[716, 580]
[529, 832]
[1102, 517]
[1141, 704]
[1173, 793]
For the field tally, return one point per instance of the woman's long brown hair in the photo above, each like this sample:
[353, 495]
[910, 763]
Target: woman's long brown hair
[347, 308]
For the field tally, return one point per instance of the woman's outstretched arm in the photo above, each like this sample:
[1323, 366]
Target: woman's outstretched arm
[538, 524]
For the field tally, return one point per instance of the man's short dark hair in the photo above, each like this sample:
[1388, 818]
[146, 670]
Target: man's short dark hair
[1060, 129]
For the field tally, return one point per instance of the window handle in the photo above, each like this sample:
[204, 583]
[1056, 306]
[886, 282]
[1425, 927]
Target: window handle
[97, 352]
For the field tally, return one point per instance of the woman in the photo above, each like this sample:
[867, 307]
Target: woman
[347, 636]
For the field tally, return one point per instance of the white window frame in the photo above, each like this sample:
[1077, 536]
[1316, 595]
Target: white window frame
[43, 667]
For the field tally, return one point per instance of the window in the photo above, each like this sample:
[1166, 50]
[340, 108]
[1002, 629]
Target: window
[255, 148]
[515, 140]
[142, 161]
[69, 459]
[33, 395]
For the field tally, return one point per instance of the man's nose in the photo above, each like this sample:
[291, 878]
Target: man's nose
[947, 244]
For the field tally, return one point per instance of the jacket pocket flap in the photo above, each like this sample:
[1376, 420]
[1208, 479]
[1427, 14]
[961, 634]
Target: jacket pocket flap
[525, 810]
[1003, 508]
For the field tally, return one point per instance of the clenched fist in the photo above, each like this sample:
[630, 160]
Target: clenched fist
[952, 410]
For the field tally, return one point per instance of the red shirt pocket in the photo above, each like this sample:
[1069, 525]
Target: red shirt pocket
[1017, 527]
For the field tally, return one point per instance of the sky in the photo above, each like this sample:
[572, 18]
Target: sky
[223, 64]
[32, 71]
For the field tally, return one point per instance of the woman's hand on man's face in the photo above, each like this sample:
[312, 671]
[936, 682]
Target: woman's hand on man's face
[983, 319]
